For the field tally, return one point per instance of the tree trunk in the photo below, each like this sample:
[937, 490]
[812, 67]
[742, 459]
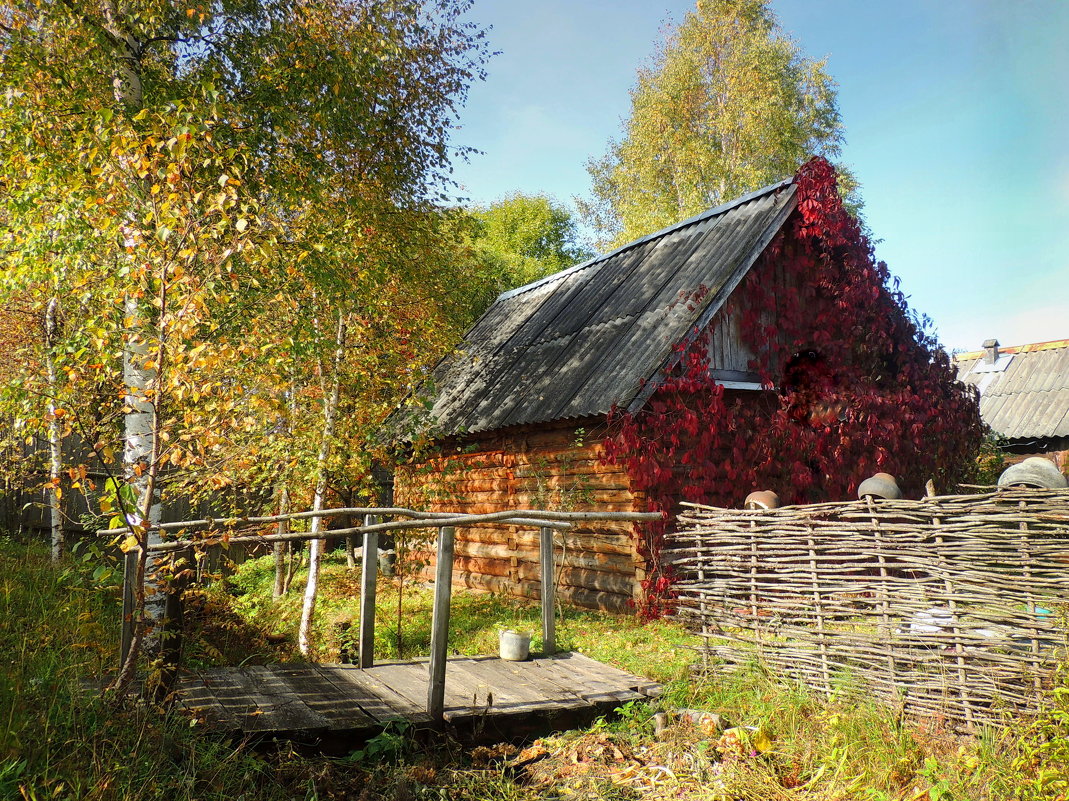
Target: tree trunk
[55, 432]
[315, 550]
[350, 557]
[282, 548]
[140, 376]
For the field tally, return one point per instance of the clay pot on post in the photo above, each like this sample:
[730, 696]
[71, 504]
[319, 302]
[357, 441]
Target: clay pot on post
[1035, 472]
[881, 485]
[761, 499]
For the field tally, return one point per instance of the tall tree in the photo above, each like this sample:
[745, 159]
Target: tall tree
[728, 105]
[529, 236]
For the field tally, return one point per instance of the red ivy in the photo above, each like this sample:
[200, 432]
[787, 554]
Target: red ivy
[857, 385]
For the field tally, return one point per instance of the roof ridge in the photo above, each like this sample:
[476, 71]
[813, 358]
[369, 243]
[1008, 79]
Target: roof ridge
[1029, 347]
[705, 215]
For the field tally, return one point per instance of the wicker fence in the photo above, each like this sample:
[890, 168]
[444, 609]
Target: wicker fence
[950, 606]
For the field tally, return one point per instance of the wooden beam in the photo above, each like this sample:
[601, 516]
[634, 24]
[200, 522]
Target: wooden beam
[530, 517]
[443, 587]
[369, 574]
[466, 520]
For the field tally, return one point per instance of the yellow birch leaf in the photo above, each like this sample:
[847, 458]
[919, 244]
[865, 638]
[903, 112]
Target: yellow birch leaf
[762, 743]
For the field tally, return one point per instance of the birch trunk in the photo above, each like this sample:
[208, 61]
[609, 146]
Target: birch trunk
[140, 436]
[55, 432]
[141, 463]
[281, 548]
[315, 548]
[140, 376]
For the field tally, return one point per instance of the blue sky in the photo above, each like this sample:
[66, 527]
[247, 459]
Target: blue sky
[957, 126]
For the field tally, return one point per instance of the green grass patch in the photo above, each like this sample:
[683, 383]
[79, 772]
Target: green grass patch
[660, 650]
[59, 739]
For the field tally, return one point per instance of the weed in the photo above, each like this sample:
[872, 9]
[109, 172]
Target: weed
[388, 745]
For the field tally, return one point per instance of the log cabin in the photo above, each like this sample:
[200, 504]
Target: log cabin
[521, 414]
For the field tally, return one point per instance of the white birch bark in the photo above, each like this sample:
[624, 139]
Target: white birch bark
[126, 83]
[315, 548]
[55, 432]
[139, 452]
[281, 548]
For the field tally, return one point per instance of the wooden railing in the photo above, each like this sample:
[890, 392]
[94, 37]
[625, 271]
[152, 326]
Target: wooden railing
[227, 530]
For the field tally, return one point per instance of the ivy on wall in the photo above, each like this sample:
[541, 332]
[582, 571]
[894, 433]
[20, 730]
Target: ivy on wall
[855, 384]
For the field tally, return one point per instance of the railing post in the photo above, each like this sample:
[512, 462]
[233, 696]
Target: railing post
[443, 587]
[369, 573]
[549, 585]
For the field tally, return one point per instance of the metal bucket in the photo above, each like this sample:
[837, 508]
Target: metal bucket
[514, 646]
[387, 561]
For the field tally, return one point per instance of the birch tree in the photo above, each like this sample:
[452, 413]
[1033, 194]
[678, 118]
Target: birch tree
[727, 105]
[330, 378]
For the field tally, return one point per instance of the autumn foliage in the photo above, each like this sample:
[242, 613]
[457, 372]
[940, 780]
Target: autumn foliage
[855, 385]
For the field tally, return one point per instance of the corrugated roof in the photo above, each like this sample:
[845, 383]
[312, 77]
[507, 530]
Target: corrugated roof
[576, 343]
[1029, 397]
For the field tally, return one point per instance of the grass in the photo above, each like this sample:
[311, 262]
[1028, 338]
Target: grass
[660, 650]
[58, 627]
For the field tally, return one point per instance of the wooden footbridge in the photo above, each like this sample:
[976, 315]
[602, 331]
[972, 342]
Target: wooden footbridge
[485, 698]
[478, 697]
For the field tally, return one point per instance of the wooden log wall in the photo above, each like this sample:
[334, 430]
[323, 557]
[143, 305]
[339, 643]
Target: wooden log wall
[953, 606]
[534, 467]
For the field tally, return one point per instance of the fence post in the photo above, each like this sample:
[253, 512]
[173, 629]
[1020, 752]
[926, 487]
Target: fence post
[549, 586]
[369, 573]
[443, 587]
[883, 600]
[703, 606]
[818, 610]
[1030, 600]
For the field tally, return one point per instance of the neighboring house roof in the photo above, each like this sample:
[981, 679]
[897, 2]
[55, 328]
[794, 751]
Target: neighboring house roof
[1024, 390]
[597, 335]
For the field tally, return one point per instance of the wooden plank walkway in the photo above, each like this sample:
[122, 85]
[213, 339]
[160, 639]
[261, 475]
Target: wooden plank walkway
[485, 697]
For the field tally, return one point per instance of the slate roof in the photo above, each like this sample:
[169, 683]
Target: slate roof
[1025, 394]
[578, 342]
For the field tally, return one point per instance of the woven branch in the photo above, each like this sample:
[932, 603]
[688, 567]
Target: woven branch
[952, 605]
